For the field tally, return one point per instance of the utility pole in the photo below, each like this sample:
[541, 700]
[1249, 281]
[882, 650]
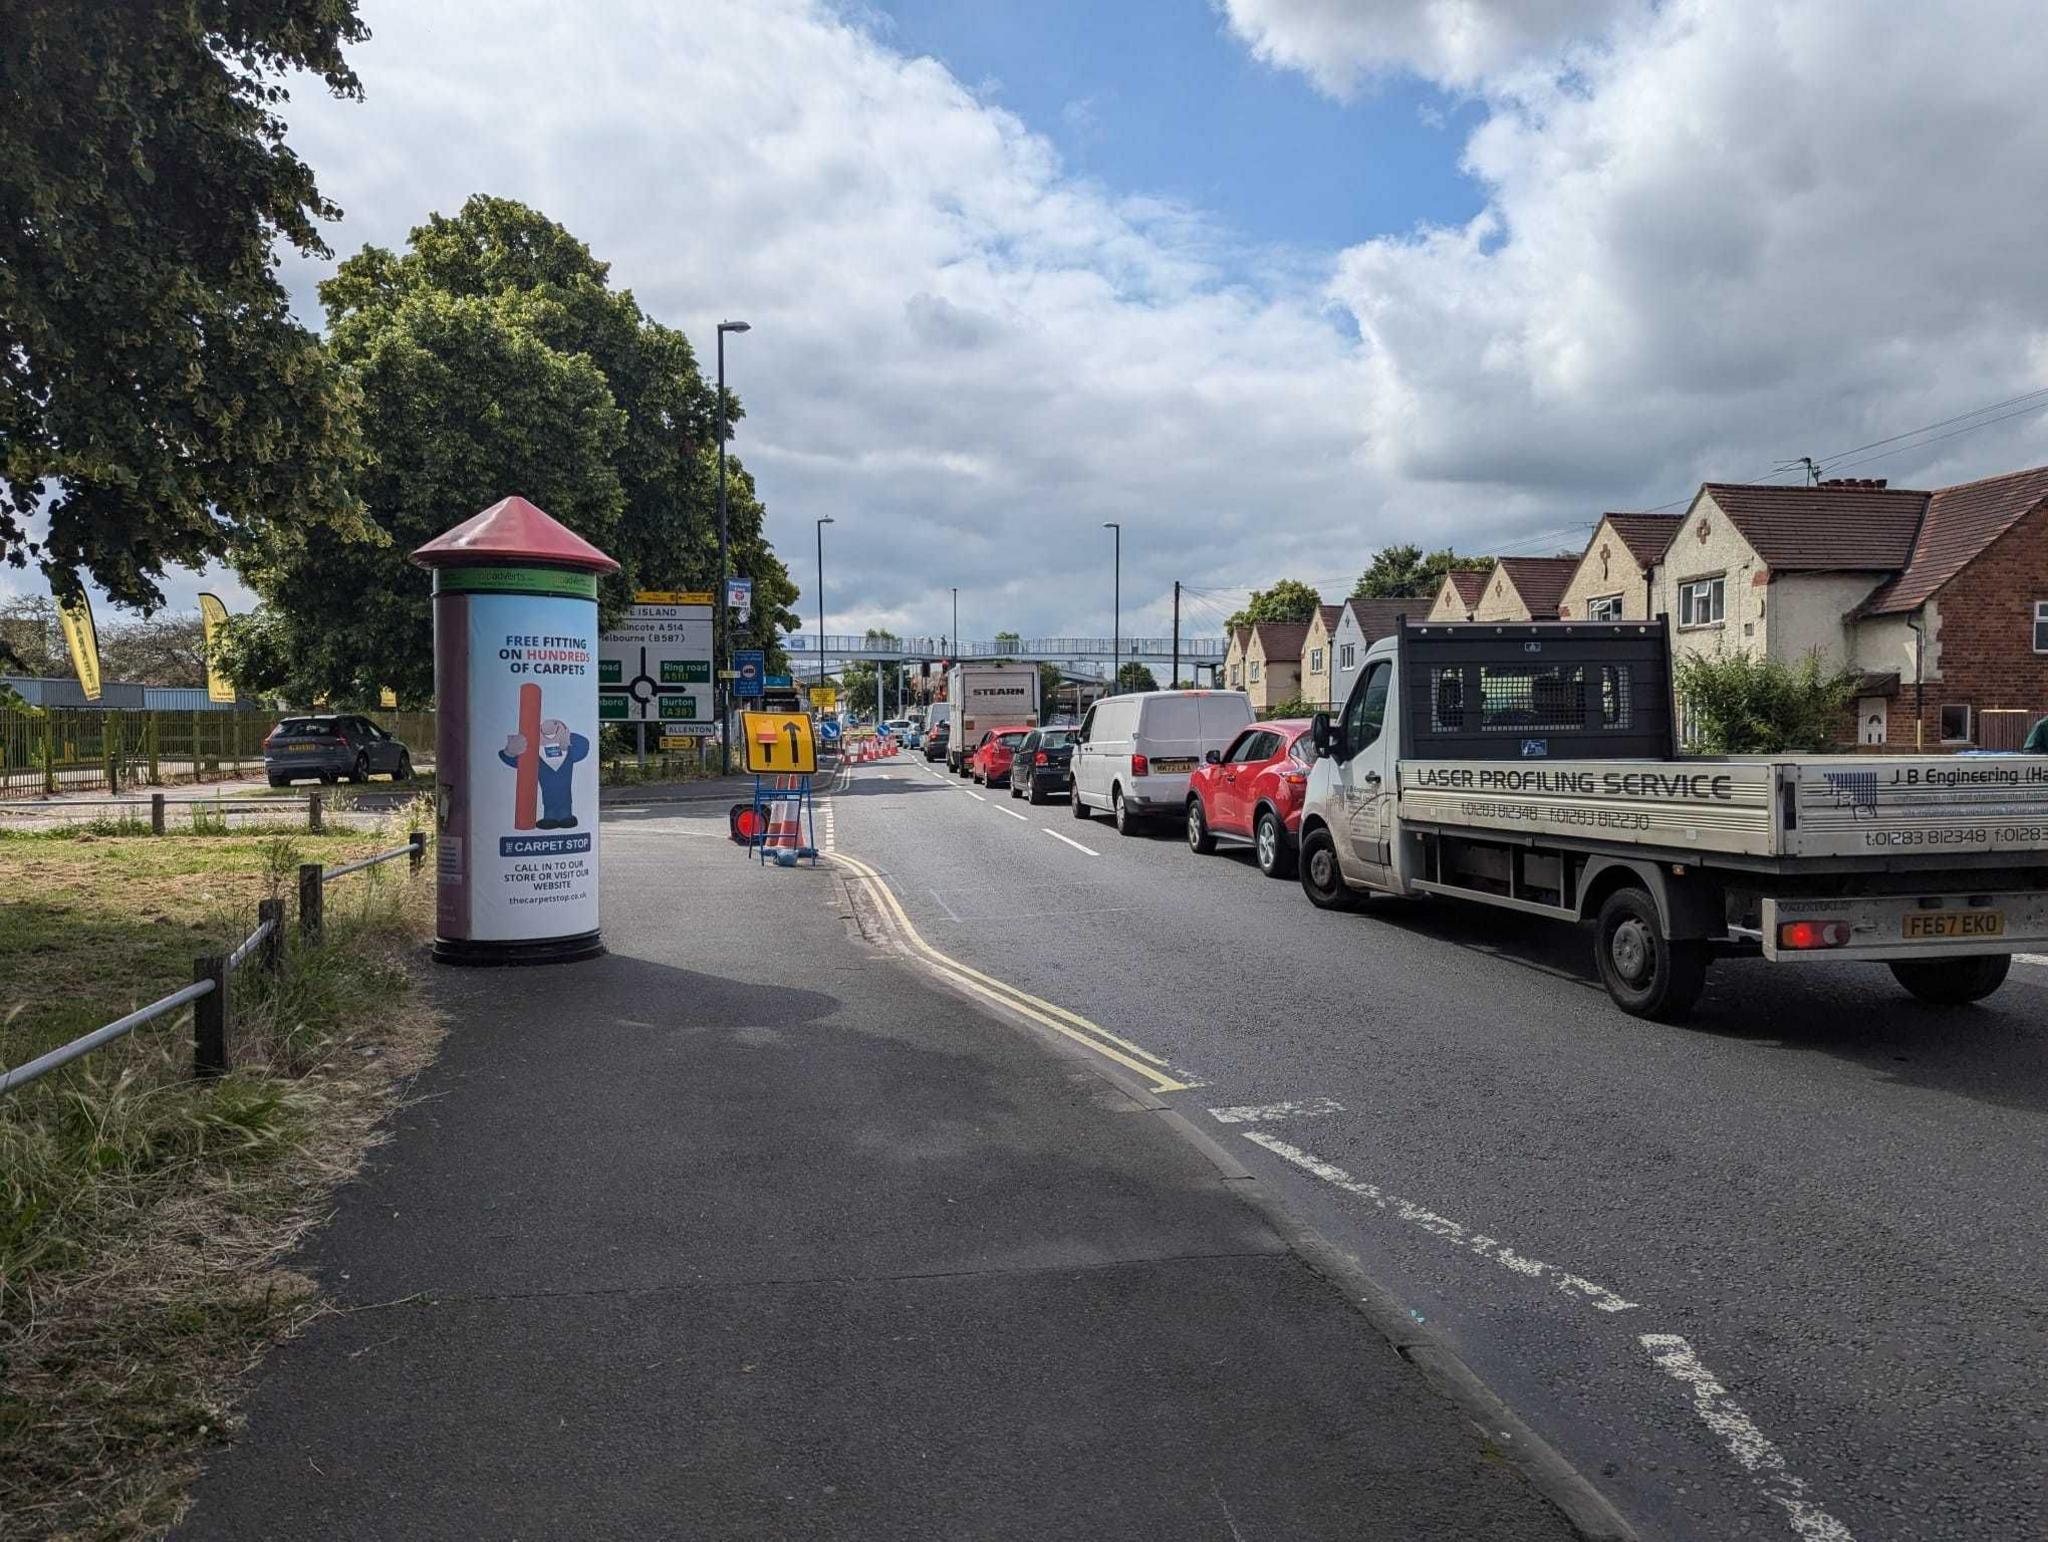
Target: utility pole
[827, 520]
[721, 623]
[1116, 608]
[1173, 675]
[956, 624]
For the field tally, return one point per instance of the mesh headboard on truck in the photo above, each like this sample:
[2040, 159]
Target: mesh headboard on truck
[1537, 690]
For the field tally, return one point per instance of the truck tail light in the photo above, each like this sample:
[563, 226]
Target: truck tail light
[1803, 936]
[1140, 766]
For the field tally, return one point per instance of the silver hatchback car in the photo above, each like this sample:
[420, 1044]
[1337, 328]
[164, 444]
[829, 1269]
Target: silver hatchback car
[331, 747]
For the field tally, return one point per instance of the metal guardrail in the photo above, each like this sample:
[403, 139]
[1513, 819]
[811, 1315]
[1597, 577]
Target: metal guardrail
[208, 994]
[848, 645]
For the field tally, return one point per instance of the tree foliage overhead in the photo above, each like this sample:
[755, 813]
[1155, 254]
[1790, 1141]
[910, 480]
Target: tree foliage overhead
[157, 399]
[1136, 677]
[493, 357]
[1288, 600]
[1405, 572]
[1743, 704]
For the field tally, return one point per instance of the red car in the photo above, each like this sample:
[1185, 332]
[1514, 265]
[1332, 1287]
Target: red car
[1252, 792]
[990, 762]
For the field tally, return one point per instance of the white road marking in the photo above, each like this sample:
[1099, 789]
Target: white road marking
[1085, 851]
[934, 893]
[1451, 1231]
[2030, 958]
[1257, 1113]
[1745, 1442]
[977, 797]
[1010, 811]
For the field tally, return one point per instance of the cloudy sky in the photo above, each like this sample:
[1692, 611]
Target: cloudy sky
[1271, 282]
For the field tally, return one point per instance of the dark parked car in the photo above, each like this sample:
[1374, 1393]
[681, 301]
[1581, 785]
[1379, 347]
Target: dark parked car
[1044, 764]
[331, 747]
[935, 741]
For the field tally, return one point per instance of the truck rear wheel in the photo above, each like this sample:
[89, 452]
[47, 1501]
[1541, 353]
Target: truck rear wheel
[1322, 880]
[1952, 982]
[1648, 974]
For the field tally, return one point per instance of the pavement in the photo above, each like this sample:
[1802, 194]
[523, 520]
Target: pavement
[754, 1228]
[1777, 1273]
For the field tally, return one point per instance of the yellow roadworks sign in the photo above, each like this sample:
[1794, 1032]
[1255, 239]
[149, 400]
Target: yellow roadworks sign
[825, 698]
[779, 742]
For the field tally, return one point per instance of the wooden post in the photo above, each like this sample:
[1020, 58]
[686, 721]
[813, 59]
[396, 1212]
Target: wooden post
[156, 813]
[198, 765]
[110, 749]
[156, 776]
[270, 953]
[310, 898]
[313, 812]
[49, 750]
[210, 1017]
[418, 841]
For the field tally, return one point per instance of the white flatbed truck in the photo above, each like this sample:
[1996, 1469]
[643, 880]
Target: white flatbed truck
[1535, 767]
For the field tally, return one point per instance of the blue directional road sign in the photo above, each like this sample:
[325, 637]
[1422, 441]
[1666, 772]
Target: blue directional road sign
[750, 669]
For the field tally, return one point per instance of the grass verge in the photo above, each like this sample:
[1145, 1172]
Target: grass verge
[143, 1216]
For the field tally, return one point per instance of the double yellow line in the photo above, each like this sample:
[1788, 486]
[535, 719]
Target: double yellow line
[1157, 1073]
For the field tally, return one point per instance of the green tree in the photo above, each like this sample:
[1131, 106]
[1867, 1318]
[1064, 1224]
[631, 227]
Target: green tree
[1742, 704]
[31, 640]
[858, 681]
[1288, 600]
[582, 404]
[154, 388]
[155, 650]
[1049, 683]
[1404, 572]
[1135, 677]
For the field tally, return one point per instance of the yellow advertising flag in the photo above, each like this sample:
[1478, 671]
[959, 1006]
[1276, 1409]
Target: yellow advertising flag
[84, 639]
[211, 614]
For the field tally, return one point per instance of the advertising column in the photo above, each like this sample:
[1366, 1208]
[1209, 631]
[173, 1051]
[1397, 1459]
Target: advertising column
[515, 679]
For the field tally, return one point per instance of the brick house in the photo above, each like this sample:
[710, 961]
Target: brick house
[1272, 663]
[1940, 599]
[1360, 624]
[1458, 595]
[1525, 588]
[1317, 654]
[1232, 674]
[1614, 578]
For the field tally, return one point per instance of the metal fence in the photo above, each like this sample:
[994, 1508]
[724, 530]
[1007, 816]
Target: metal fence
[93, 749]
[210, 995]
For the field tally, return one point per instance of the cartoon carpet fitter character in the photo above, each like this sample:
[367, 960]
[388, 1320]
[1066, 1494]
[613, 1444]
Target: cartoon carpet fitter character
[559, 751]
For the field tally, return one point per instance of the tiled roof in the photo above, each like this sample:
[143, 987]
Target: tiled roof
[1645, 535]
[1470, 584]
[1376, 618]
[1961, 522]
[1842, 527]
[1541, 582]
[1331, 614]
[1281, 639]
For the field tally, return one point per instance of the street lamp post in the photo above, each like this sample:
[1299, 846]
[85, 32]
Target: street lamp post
[721, 643]
[956, 623]
[827, 520]
[1116, 611]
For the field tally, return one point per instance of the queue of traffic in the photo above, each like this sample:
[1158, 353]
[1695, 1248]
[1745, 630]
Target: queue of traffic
[1536, 767]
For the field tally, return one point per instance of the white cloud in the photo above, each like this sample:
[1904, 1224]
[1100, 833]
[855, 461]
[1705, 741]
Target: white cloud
[1341, 44]
[1741, 230]
[967, 356]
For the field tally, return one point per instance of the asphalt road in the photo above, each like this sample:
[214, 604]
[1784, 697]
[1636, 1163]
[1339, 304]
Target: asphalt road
[1776, 1273]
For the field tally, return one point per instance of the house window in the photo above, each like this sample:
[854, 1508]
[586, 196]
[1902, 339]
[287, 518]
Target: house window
[1605, 607]
[1315, 661]
[1255, 671]
[2041, 626]
[1955, 723]
[1347, 656]
[1701, 601]
[1236, 675]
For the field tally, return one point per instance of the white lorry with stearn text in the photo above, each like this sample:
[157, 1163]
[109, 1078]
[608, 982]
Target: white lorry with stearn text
[1534, 767]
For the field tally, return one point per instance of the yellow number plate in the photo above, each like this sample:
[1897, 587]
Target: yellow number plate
[1954, 923]
[1173, 765]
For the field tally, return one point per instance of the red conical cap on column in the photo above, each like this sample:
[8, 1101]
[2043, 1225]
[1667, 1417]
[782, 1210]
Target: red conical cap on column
[513, 530]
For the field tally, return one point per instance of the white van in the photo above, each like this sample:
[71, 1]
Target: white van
[1134, 754]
